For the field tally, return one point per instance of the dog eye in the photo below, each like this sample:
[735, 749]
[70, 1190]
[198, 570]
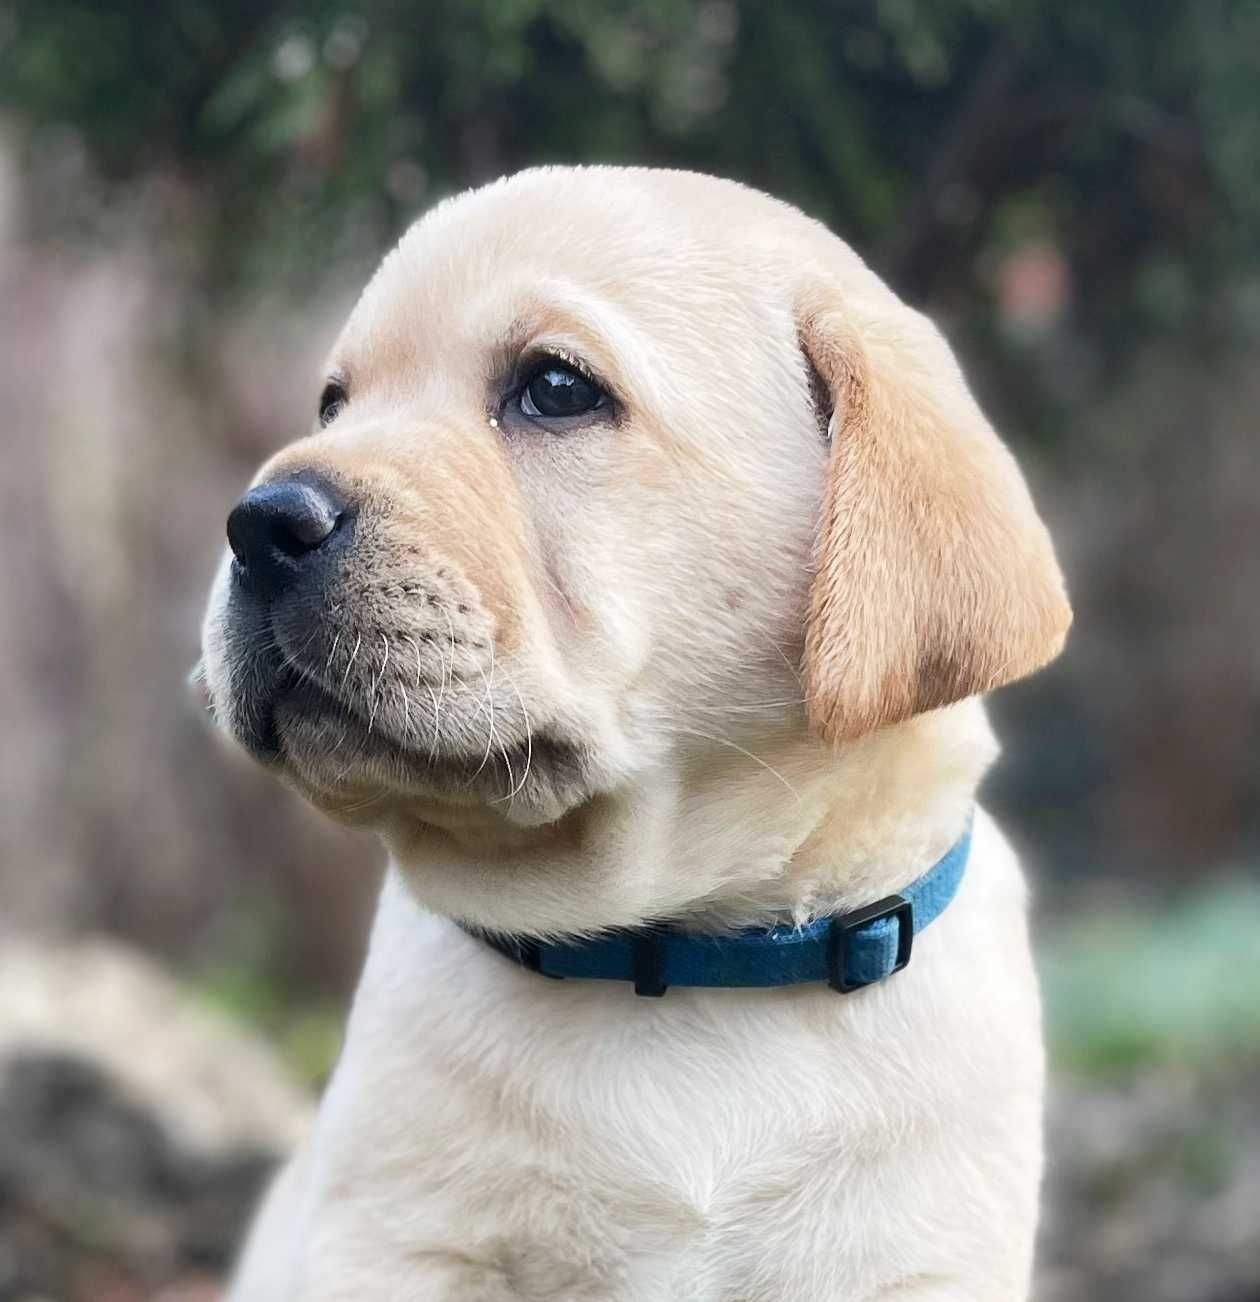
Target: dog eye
[558, 390]
[331, 401]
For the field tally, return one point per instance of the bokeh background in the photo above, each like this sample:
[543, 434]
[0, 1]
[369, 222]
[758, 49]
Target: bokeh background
[191, 194]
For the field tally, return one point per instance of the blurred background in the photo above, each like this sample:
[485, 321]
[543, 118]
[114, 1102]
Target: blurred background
[190, 196]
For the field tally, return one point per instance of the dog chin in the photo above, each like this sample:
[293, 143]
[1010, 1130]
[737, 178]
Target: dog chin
[352, 768]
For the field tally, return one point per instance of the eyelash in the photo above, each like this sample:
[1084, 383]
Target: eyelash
[332, 402]
[532, 363]
[333, 398]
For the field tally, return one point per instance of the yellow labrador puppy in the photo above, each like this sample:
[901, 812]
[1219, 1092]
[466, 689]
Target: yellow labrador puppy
[636, 587]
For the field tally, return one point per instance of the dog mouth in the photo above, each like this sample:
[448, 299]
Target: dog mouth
[382, 687]
[441, 741]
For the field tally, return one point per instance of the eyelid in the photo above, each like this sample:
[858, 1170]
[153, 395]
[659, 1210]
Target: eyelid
[536, 359]
[336, 385]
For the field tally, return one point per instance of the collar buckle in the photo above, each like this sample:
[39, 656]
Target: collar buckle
[646, 969]
[841, 934]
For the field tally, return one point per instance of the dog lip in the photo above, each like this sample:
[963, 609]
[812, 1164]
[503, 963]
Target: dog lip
[279, 682]
[262, 736]
[255, 724]
[304, 696]
[287, 719]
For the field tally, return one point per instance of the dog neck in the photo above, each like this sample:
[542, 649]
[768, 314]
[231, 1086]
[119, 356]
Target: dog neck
[720, 837]
[860, 823]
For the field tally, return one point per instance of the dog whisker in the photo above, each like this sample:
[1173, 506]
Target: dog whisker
[332, 655]
[734, 745]
[351, 760]
[794, 670]
[358, 642]
[357, 806]
[448, 666]
[376, 686]
[437, 722]
[487, 697]
[529, 744]
[294, 663]
[406, 705]
[511, 779]
[758, 707]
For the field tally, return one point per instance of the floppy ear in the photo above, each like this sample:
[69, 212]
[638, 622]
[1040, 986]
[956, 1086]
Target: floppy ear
[935, 577]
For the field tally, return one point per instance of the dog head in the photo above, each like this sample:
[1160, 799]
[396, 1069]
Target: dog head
[608, 463]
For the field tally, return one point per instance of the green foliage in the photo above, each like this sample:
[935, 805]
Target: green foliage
[1123, 992]
[248, 980]
[931, 133]
[306, 1032]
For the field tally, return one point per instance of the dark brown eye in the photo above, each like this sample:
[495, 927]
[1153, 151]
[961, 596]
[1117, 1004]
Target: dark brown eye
[556, 390]
[331, 401]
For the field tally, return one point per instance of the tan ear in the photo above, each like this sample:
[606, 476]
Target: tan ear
[936, 579]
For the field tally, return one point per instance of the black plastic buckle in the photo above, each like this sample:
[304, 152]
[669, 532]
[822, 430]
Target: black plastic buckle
[845, 924]
[645, 965]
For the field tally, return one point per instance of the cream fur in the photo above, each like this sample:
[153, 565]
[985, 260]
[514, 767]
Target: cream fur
[638, 590]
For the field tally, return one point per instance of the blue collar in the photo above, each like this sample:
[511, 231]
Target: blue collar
[847, 950]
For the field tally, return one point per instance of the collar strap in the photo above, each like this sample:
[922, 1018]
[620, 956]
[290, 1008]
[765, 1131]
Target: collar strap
[846, 950]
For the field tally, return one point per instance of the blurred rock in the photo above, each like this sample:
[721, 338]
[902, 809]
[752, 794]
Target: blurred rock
[136, 1129]
[1153, 1189]
[211, 1084]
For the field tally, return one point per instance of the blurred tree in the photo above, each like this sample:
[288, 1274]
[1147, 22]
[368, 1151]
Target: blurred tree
[940, 135]
[1070, 187]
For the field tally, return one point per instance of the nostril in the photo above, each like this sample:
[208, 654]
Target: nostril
[304, 522]
[275, 525]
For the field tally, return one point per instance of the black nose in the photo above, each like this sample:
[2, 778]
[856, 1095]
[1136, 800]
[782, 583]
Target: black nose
[277, 528]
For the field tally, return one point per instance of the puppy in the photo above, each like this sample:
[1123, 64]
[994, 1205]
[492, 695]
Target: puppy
[644, 568]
